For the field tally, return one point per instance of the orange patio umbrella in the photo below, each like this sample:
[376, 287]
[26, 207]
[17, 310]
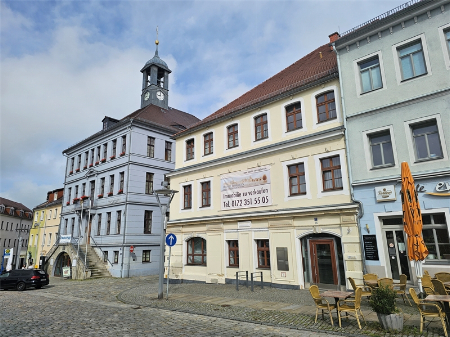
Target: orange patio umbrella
[412, 221]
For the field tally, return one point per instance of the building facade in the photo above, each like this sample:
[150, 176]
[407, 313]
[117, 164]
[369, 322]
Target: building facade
[263, 186]
[15, 219]
[395, 80]
[108, 192]
[45, 230]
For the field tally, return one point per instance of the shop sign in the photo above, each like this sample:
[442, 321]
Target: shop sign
[442, 189]
[385, 193]
[245, 189]
[65, 239]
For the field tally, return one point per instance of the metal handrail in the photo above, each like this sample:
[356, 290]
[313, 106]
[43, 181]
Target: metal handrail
[96, 245]
[52, 250]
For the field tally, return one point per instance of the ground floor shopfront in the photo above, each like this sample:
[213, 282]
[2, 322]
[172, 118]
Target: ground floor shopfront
[293, 249]
[383, 236]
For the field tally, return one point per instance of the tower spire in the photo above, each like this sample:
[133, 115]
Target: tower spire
[156, 42]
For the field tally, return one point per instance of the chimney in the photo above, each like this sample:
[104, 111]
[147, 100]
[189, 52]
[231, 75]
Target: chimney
[333, 37]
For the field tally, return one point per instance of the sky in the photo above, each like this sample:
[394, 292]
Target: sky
[65, 65]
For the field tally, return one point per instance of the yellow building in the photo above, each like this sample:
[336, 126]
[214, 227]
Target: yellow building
[44, 231]
[263, 186]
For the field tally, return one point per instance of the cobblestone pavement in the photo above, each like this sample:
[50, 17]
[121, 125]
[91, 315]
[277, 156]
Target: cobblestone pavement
[129, 307]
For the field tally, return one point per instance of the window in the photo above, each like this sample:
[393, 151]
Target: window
[233, 253]
[294, 116]
[79, 162]
[43, 240]
[116, 256]
[92, 189]
[187, 196]
[108, 223]
[55, 214]
[114, 148]
[76, 191]
[331, 173]
[65, 225]
[121, 176]
[36, 213]
[412, 61]
[92, 157]
[124, 144]
[263, 253]
[98, 153]
[146, 256]
[381, 149]
[72, 226]
[111, 184]
[149, 183]
[102, 186]
[233, 136]
[49, 214]
[148, 222]
[105, 150]
[83, 189]
[208, 143]
[297, 181]
[86, 157]
[168, 151]
[105, 256]
[206, 194]
[72, 160]
[150, 147]
[118, 221]
[435, 236]
[99, 224]
[49, 239]
[196, 251]
[189, 149]
[370, 74]
[447, 38]
[326, 106]
[261, 127]
[42, 215]
[427, 144]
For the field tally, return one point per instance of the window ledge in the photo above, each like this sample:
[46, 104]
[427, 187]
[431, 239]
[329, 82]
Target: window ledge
[233, 267]
[296, 129]
[327, 120]
[369, 91]
[263, 268]
[195, 265]
[332, 190]
[411, 78]
[382, 167]
[257, 140]
[427, 159]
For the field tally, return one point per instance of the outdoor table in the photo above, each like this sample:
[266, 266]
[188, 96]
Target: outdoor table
[337, 295]
[447, 284]
[439, 298]
[371, 283]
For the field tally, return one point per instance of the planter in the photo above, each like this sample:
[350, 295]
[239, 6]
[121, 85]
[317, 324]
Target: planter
[100, 196]
[391, 322]
[97, 162]
[120, 192]
[68, 203]
[71, 172]
[77, 170]
[112, 157]
[85, 167]
[122, 154]
[110, 194]
[90, 165]
[103, 160]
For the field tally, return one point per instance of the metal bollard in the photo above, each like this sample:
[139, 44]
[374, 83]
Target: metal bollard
[237, 281]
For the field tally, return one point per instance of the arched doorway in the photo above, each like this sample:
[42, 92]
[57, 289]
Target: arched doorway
[323, 262]
[63, 260]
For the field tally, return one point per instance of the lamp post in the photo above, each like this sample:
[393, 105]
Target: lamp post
[164, 207]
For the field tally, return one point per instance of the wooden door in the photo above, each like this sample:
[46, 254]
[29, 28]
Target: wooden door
[323, 261]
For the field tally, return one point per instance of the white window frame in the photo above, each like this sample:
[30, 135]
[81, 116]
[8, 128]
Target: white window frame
[226, 136]
[410, 142]
[42, 215]
[397, 65]
[49, 214]
[209, 155]
[285, 164]
[55, 214]
[36, 216]
[305, 116]
[318, 168]
[185, 160]
[337, 100]
[199, 194]
[445, 49]
[368, 152]
[357, 73]
[252, 121]
[192, 183]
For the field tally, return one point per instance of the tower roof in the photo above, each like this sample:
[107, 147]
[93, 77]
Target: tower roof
[156, 61]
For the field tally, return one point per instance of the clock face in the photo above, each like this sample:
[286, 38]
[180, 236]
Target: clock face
[160, 95]
[147, 96]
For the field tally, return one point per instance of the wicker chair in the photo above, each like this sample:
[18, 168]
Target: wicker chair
[428, 310]
[439, 287]
[386, 281]
[443, 276]
[427, 285]
[321, 303]
[372, 278]
[351, 306]
[366, 291]
[402, 290]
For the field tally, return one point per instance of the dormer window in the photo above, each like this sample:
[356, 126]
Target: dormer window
[2, 208]
[55, 196]
[11, 211]
[21, 213]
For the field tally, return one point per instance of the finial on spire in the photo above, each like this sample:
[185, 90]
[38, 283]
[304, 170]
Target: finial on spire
[156, 42]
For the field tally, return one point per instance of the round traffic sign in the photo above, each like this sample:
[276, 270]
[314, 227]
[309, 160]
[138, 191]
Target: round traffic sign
[131, 249]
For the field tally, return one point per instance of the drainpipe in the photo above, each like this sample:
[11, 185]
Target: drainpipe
[126, 204]
[349, 167]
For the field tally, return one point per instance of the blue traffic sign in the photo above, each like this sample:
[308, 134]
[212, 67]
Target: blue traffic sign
[171, 240]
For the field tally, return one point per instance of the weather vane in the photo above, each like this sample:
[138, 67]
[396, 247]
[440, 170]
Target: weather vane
[157, 42]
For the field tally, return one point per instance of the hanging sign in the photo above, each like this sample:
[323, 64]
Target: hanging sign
[245, 189]
[385, 193]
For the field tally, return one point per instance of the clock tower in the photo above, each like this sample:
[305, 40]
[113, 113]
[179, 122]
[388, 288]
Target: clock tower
[155, 82]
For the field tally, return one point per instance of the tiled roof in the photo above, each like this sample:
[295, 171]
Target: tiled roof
[17, 208]
[16, 205]
[172, 118]
[318, 64]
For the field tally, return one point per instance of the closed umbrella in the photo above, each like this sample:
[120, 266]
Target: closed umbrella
[412, 222]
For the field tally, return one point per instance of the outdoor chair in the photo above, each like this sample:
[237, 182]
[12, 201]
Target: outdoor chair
[428, 310]
[352, 307]
[371, 277]
[425, 272]
[439, 287]
[443, 276]
[402, 290]
[427, 286]
[366, 291]
[321, 303]
[386, 281]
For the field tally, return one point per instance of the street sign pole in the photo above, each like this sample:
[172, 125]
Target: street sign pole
[171, 240]
[168, 274]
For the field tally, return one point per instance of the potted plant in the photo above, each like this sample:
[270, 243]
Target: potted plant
[120, 192]
[97, 162]
[110, 194]
[382, 301]
[68, 203]
[100, 196]
[84, 167]
[90, 165]
[83, 197]
[71, 172]
[75, 200]
[103, 160]
[112, 157]
[122, 154]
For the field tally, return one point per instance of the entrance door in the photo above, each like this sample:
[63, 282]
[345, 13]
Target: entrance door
[397, 253]
[323, 262]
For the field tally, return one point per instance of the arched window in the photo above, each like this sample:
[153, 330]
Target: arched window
[196, 251]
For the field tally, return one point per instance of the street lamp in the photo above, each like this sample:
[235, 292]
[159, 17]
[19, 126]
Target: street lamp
[164, 207]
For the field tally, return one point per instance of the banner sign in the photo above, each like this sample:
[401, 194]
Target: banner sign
[66, 271]
[8, 254]
[245, 189]
[65, 239]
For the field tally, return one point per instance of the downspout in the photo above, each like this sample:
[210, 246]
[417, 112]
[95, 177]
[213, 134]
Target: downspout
[349, 167]
[126, 203]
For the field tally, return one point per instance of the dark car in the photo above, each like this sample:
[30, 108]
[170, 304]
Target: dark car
[20, 279]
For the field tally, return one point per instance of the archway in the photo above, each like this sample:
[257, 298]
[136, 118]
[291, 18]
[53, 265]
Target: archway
[63, 260]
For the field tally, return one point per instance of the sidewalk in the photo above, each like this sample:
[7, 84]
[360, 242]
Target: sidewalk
[269, 306]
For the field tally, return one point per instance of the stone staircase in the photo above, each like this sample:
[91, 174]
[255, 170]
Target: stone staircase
[96, 266]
